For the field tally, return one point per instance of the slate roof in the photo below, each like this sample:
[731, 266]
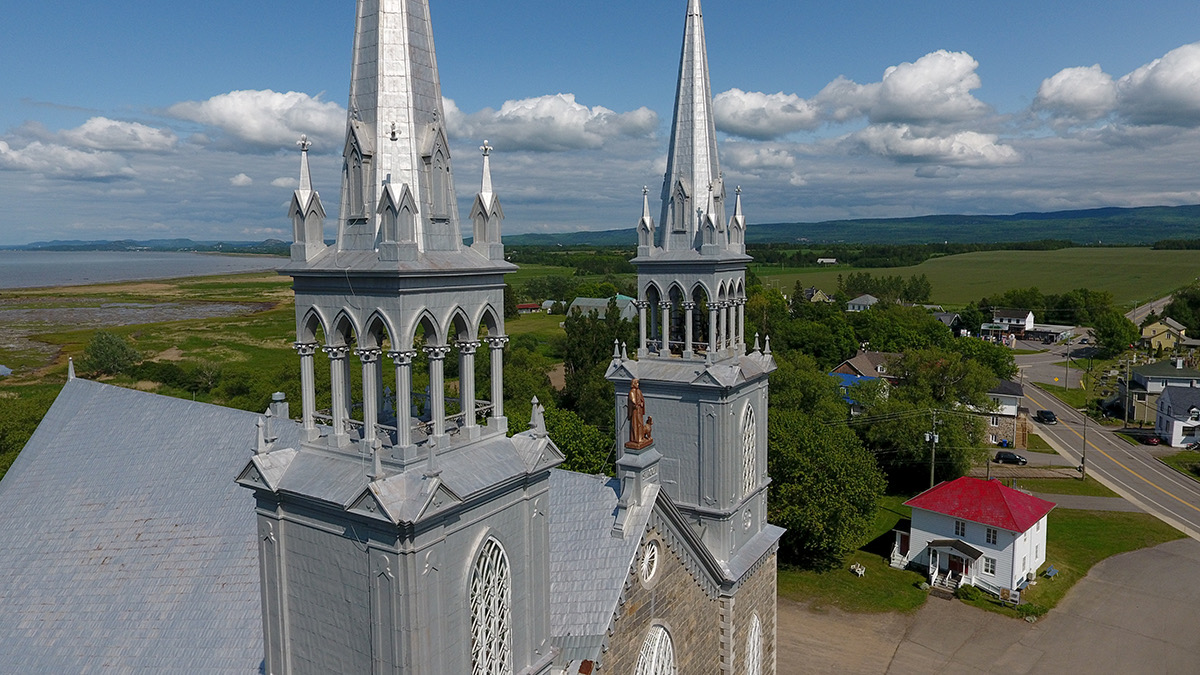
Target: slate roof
[588, 565]
[1007, 388]
[145, 554]
[1021, 314]
[983, 501]
[1182, 398]
[1166, 369]
[866, 364]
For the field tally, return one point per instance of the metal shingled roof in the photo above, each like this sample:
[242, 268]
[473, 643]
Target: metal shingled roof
[983, 501]
[126, 545]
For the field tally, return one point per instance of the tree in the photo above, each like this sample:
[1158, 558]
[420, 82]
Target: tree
[825, 489]
[109, 354]
[1114, 333]
[766, 312]
[588, 350]
[588, 449]
[895, 328]
[510, 303]
[1185, 308]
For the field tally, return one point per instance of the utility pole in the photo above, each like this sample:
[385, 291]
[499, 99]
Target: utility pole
[1083, 461]
[1067, 366]
[931, 436]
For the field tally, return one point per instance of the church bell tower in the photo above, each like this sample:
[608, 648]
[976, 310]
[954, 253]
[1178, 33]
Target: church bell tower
[408, 532]
[706, 390]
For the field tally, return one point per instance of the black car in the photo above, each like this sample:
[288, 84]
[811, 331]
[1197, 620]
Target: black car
[1046, 417]
[1006, 457]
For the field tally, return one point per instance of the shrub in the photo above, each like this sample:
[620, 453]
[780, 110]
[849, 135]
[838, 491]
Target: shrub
[968, 593]
[109, 354]
[1031, 609]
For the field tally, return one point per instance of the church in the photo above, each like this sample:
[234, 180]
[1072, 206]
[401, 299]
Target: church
[397, 531]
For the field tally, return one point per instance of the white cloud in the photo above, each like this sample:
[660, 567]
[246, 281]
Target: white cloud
[549, 124]
[933, 90]
[1164, 91]
[241, 180]
[756, 115]
[101, 133]
[1077, 94]
[59, 161]
[753, 156]
[285, 182]
[267, 119]
[903, 143]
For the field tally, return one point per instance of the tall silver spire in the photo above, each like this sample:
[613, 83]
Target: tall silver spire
[395, 134]
[692, 165]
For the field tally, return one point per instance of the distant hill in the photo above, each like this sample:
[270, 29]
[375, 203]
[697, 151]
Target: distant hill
[1141, 225]
[267, 247]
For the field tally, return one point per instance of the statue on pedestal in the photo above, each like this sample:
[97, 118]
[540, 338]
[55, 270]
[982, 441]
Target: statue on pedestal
[640, 426]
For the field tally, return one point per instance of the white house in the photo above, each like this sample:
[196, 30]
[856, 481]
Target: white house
[1013, 319]
[1178, 419]
[862, 303]
[974, 531]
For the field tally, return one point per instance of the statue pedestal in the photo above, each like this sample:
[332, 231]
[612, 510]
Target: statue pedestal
[639, 445]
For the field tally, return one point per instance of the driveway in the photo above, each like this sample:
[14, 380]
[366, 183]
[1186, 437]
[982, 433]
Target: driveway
[1133, 613]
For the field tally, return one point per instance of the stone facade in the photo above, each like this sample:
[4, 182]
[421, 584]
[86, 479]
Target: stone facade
[686, 606]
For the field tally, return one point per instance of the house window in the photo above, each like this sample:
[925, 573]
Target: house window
[989, 565]
[658, 654]
[491, 612]
[991, 535]
[960, 528]
[1024, 563]
[995, 420]
[1037, 551]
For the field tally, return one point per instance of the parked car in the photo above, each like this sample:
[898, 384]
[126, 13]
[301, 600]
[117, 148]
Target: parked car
[1046, 417]
[1006, 457]
[1151, 440]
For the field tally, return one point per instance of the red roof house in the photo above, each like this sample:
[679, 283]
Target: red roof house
[976, 532]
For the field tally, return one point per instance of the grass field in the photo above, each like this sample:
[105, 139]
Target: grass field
[1132, 275]
[1186, 462]
[1088, 487]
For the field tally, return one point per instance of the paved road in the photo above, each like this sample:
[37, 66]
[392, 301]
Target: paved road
[1138, 313]
[1128, 470]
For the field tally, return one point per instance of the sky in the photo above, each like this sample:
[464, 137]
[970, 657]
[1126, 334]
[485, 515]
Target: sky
[139, 119]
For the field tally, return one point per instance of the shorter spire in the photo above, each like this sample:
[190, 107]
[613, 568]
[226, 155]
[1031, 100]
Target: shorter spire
[305, 175]
[485, 189]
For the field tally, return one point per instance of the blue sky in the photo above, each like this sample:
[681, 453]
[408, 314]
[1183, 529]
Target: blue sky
[150, 119]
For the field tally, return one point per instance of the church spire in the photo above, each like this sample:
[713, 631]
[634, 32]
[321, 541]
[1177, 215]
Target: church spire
[692, 165]
[486, 213]
[395, 134]
[307, 212]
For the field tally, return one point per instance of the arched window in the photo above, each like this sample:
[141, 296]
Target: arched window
[491, 612]
[749, 452]
[754, 648]
[658, 654]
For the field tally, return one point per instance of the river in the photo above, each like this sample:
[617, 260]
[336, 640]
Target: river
[35, 269]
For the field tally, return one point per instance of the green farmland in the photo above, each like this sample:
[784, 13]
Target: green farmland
[1132, 275]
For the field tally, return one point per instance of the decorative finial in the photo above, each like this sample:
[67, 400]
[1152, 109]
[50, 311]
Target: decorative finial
[757, 347]
[739, 190]
[616, 349]
[486, 148]
[640, 426]
[645, 190]
[767, 351]
[304, 143]
[395, 133]
[624, 352]
[70, 369]
[377, 451]
[432, 471]
[537, 419]
[260, 446]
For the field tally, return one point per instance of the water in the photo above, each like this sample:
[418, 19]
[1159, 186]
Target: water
[33, 269]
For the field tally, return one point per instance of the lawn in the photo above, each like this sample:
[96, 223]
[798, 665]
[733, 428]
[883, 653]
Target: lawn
[1036, 443]
[881, 589]
[1077, 540]
[959, 279]
[1074, 397]
[1186, 462]
[1089, 487]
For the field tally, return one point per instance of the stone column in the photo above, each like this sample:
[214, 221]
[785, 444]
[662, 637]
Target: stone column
[437, 388]
[688, 308]
[496, 344]
[665, 313]
[308, 387]
[337, 385]
[403, 361]
[370, 378]
[466, 381]
[730, 315]
[741, 324]
[712, 328]
[722, 317]
[642, 305]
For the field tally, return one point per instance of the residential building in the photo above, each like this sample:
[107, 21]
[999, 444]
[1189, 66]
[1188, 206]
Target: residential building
[1014, 320]
[827, 261]
[372, 537]
[1178, 420]
[814, 294]
[1140, 393]
[867, 364]
[1009, 423]
[626, 306]
[862, 303]
[977, 532]
[951, 320]
[1165, 334]
[529, 308]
